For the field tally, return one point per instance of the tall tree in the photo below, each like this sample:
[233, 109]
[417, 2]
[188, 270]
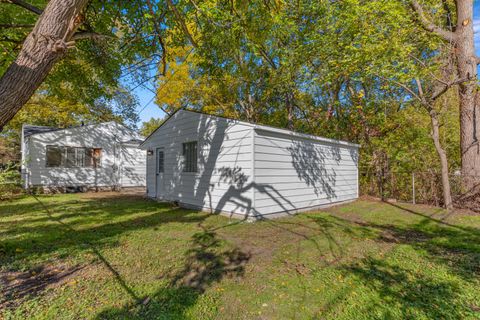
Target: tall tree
[53, 34]
[117, 43]
[462, 38]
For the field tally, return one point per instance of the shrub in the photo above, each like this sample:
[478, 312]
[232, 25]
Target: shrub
[10, 182]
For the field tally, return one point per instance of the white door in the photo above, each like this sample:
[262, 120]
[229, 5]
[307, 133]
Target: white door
[159, 172]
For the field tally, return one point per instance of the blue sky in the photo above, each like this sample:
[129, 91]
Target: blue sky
[148, 109]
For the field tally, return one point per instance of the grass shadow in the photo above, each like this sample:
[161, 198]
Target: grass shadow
[414, 296]
[207, 262]
[63, 236]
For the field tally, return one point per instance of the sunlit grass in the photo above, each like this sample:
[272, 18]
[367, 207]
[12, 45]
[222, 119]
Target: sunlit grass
[129, 257]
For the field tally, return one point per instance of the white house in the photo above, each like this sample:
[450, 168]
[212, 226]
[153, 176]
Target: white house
[97, 156]
[246, 170]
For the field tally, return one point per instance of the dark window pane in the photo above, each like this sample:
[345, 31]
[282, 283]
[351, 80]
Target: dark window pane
[160, 161]
[88, 161]
[80, 157]
[190, 156]
[71, 159]
[54, 156]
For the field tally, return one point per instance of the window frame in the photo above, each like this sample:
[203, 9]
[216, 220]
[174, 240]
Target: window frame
[61, 150]
[190, 165]
[162, 167]
[75, 157]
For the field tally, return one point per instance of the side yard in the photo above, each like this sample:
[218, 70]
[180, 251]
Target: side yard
[111, 256]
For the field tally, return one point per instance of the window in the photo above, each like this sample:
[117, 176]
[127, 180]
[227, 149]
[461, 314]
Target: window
[190, 156]
[73, 157]
[54, 156]
[95, 157]
[160, 159]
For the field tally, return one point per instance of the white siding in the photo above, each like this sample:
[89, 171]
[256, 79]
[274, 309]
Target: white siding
[294, 174]
[223, 182]
[107, 136]
[133, 166]
[245, 169]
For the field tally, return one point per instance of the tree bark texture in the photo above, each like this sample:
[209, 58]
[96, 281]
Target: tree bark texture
[43, 47]
[469, 95]
[447, 195]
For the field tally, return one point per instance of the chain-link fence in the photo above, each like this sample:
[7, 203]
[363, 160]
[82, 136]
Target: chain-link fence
[417, 187]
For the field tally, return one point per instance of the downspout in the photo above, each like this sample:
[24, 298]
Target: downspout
[116, 167]
[254, 185]
[23, 166]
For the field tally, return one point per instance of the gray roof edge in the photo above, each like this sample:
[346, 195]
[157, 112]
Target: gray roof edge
[76, 127]
[305, 136]
[264, 128]
[29, 129]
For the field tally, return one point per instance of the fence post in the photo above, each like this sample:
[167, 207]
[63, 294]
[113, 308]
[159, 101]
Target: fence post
[413, 188]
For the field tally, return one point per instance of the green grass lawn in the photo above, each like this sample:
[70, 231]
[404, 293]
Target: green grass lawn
[107, 256]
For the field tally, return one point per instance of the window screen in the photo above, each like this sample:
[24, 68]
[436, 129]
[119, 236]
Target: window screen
[190, 156]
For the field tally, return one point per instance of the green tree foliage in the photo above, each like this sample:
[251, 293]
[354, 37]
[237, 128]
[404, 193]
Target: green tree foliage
[149, 126]
[53, 112]
[340, 69]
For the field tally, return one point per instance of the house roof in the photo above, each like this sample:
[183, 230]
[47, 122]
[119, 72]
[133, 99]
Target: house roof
[264, 128]
[28, 130]
[133, 141]
[50, 129]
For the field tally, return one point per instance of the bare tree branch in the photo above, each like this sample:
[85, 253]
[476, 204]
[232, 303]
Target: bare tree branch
[430, 26]
[88, 35]
[24, 5]
[447, 86]
[158, 30]
[409, 90]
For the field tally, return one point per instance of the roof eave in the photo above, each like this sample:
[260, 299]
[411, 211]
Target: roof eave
[305, 136]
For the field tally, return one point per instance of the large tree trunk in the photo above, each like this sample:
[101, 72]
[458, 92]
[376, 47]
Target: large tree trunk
[447, 195]
[469, 109]
[43, 47]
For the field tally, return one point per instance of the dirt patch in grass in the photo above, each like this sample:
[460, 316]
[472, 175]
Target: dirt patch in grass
[15, 286]
[263, 240]
[391, 235]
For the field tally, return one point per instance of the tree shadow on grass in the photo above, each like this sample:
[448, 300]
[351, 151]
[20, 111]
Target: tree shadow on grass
[31, 242]
[93, 226]
[406, 295]
[413, 294]
[206, 262]
[455, 246]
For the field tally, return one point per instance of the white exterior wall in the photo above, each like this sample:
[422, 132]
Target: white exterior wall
[107, 136]
[133, 166]
[223, 182]
[249, 170]
[293, 173]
